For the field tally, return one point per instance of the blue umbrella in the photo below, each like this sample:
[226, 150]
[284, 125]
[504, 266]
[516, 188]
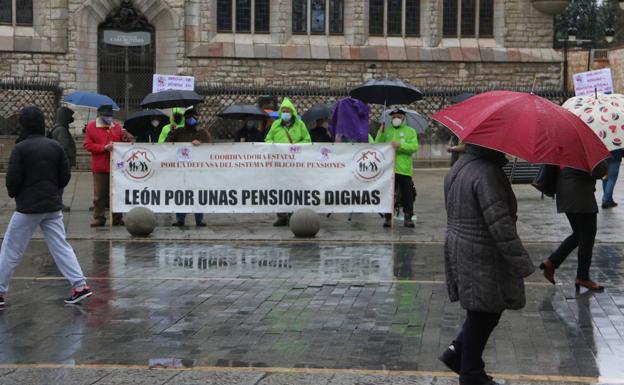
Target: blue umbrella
[89, 100]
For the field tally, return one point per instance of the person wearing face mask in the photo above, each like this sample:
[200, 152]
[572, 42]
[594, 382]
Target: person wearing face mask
[176, 121]
[60, 133]
[100, 135]
[251, 131]
[288, 129]
[405, 142]
[189, 133]
[320, 133]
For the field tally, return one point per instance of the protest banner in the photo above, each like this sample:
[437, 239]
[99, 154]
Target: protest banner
[592, 82]
[252, 177]
[172, 82]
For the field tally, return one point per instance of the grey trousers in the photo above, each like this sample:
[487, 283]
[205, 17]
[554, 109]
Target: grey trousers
[18, 235]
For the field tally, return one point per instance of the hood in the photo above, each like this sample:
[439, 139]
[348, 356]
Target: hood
[178, 110]
[32, 121]
[288, 103]
[64, 116]
[494, 156]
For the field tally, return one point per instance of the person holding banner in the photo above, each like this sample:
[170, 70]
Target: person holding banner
[189, 133]
[176, 121]
[405, 142]
[288, 129]
[100, 135]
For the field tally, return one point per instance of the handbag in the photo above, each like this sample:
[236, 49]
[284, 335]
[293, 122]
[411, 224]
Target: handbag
[546, 179]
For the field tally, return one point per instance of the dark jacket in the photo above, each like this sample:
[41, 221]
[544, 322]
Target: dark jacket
[320, 135]
[60, 133]
[250, 134]
[485, 260]
[188, 134]
[576, 188]
[38, 168]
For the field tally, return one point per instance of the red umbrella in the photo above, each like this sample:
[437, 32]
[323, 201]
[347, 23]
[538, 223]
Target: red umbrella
[527, 126]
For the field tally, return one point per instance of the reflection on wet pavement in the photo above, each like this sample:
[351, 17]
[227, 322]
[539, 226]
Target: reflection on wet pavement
[370, 306]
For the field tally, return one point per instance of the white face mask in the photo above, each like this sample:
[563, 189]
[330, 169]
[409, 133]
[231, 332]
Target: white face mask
[286, 116]
[396, 122]
[155, 122]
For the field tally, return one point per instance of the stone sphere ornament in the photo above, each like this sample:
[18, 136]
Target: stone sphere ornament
[305, 223]
[140, 221]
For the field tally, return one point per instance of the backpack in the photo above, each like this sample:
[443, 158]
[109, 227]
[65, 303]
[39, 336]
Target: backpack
[546, 179]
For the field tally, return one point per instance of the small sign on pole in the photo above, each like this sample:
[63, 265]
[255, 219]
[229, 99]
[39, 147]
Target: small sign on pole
[591, 82]
[172, 82]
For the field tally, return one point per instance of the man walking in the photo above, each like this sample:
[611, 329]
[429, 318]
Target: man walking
[99, 138]
[38, 170]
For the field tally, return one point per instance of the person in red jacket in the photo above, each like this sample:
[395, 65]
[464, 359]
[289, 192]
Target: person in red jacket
[101, 133]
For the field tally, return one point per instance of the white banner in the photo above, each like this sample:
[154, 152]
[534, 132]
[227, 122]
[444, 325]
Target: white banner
[592, 82]
[172, 82]
[252, 177]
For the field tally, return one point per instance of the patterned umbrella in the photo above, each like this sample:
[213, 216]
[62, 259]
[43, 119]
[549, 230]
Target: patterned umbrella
[604, 114]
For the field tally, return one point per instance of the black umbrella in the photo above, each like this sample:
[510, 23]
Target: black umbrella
[316, 112]
[139, 123]
[243, 111]
[386, 92]
[171, 99]
[461, 97]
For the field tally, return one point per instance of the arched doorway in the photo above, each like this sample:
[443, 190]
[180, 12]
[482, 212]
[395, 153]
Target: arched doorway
[126, 55]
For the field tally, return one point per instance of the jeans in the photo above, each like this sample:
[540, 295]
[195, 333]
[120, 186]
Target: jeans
[470, 343]
[199, 218]
[583, 237]
[18, 235]
[614, 170]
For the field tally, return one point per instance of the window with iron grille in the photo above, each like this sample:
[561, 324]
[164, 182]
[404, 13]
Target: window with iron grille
[324, 17]
[243, 16]
[394, 18]
[16, 12]
[468, 18]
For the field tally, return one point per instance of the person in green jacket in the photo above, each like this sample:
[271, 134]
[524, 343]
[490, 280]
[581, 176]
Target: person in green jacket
[177, 121]
[289, 128]
[405, 142]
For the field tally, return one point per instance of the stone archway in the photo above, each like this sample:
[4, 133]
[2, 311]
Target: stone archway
[84, 37]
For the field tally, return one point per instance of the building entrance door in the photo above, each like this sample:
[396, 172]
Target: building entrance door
[126, 54]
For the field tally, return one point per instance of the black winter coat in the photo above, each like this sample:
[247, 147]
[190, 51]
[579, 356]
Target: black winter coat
[60, 133]
[485, 260]
[38, 169]
[576, 188]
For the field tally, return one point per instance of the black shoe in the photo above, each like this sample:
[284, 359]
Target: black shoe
[177, 224]
[387, 223]
[408, 222]
[66, 208]
[281, 221]
[1, 301]
[201, 224]
[608, 205]
[451, 359]
[78, 296]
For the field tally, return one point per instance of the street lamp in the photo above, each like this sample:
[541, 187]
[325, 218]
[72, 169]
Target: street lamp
[610, 32]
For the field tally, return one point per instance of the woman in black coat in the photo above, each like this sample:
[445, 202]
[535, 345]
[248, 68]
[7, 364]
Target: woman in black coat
[575, 197]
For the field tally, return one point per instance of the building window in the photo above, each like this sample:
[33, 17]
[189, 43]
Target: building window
[468, 18]
[394, 18]
[16, 12]
[236, 16]
[324, 17]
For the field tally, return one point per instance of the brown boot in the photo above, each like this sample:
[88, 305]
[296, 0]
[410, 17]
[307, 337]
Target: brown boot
[98, 222]
[118, 220]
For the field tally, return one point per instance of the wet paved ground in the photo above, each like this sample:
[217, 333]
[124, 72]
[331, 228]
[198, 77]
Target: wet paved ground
[338, 310]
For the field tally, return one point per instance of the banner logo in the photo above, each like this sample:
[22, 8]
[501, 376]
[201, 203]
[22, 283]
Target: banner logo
[368, 164]
[137, 164]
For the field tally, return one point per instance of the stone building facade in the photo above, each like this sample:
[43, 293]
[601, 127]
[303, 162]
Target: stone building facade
[63, 43]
